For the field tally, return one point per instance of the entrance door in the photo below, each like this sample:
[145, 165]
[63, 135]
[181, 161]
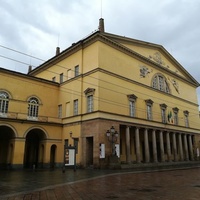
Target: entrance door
[52, 156]
[32, 151]
[89, 151]
[6, 147]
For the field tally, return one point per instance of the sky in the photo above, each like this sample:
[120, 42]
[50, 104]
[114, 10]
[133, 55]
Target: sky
[36, 28]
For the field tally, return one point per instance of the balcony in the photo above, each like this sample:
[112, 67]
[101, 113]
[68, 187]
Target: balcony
[21, 116]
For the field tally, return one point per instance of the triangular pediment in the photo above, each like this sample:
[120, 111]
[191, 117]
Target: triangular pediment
[153, 53]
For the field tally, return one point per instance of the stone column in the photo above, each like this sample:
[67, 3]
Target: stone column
[168, 147]
[155, 157]
[191, 148]
[162, 153]
[137, 145]
[128, 156]
[186, 147]
[175, 147]
[180, 146]
[146, 145]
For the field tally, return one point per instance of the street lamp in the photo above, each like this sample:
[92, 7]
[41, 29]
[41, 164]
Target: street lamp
[112, 138]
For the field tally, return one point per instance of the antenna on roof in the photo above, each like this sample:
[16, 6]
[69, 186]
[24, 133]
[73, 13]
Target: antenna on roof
[101, 21]
[58, 39]
[101, 8]
[30, 66]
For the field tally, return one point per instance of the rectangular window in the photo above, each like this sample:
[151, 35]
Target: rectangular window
[59, 111]
[76, 144]
[76, 70]
[186, 121]
[175, 118]
[90, 103]
[67, 109]
[54, 79]
[163, 115]
[132, 108]
[66, 142]
[61, 78]
[76, 107]
[149, 112]
[69, 74]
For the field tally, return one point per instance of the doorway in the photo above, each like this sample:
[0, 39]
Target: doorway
[89, 151]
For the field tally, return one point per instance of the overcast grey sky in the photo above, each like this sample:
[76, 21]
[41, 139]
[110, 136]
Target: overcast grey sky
[38, 27]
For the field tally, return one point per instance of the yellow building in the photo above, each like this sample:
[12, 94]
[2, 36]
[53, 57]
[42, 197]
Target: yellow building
[103, 84]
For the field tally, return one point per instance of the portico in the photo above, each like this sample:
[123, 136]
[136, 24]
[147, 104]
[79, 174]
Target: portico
[144, 144]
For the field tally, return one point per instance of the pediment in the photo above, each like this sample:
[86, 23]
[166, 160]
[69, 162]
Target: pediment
[154, 53]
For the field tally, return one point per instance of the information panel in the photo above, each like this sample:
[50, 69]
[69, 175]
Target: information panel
[69, 157]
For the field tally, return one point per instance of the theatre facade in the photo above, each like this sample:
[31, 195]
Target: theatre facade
[107, 96]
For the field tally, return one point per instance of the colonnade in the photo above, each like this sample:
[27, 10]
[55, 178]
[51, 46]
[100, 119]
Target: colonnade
[165, 146]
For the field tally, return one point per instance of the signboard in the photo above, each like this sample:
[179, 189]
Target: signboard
[117, 150]
[69, 157]
[101, 150]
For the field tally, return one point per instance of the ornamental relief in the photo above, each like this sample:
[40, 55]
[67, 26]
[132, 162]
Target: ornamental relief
[144, 71]
[157, 58]
[175, 84]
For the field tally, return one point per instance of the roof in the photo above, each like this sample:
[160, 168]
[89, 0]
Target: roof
[116, 42]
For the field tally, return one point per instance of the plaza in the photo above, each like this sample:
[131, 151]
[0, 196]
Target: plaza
[101, 184]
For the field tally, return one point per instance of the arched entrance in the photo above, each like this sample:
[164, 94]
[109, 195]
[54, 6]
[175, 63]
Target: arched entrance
[52, 156]
[6, 146]
[34, 149]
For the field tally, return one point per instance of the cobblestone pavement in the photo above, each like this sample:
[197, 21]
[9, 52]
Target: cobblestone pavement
[92, 184]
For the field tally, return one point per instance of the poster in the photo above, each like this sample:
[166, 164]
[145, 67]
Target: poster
[69, 157]
[101, 150]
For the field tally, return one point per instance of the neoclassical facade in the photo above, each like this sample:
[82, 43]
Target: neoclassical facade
[104, 95]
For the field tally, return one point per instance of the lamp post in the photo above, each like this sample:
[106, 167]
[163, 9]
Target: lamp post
[112, 136]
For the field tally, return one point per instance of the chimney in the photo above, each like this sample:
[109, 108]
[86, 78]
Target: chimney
[101, 25]
[29, 69]
[57, 50]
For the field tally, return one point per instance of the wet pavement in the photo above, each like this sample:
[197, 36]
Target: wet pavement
[100, 184]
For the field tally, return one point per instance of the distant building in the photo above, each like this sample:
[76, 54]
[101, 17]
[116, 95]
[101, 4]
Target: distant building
[103, 82]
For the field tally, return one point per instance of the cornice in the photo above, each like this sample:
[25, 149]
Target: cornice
[21, 75]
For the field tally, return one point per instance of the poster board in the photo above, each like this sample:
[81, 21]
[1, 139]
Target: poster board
[101, 150]
[69, 157]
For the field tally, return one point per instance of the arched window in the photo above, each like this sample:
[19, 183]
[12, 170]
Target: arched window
[159, 82]
[33, 106]
[4, 101]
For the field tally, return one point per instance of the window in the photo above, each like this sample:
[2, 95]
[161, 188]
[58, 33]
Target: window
[33, 106]
[76, 70]
[76, 144]
[54, 79]
[67, 109]
[89, 92]
[61, 78]
[159, 82]
[132, 100]
[90, 103]
[149, 104]
[186, 115]
[66, 143]
[4, 101]
[132, 108]
[59, 111]
[76, 107]
[175, 110]
[163, 113]
[69, 72]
